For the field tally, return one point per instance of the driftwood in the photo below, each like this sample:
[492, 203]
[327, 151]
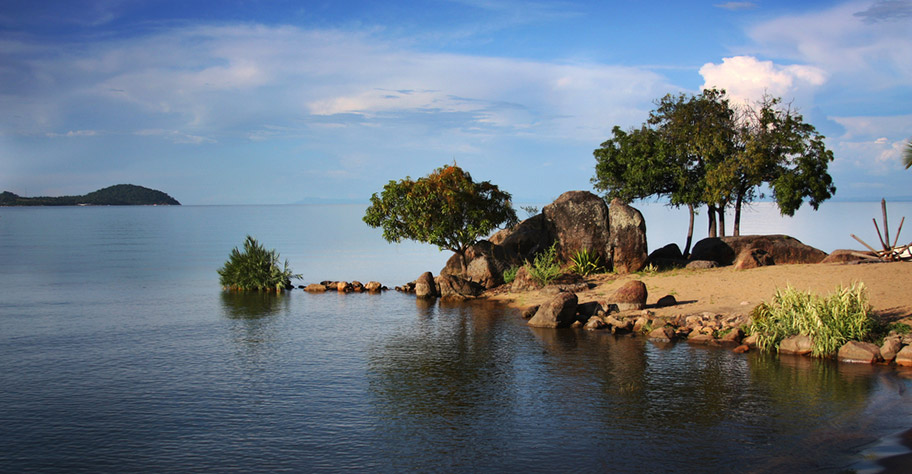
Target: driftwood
[890, 252]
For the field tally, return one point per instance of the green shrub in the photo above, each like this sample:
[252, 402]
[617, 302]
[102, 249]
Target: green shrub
[830, 321]
[255, 269]
[544, 268]
[510, 274]
[586, 262]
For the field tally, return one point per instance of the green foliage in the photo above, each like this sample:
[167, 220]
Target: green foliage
[830, 321]
[545, 268]
[907, 155]
[586, 262]
[510, 274]
[255, 269]
[530, 210]
[445, 208]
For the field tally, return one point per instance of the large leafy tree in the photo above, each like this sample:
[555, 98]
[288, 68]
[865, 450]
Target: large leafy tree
[446, 208]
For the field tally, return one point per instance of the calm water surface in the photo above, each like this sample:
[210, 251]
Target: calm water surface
[119, 353]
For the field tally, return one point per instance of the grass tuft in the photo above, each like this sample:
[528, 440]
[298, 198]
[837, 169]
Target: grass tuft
[255, 269]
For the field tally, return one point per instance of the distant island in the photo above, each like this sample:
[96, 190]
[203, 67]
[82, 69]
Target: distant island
[118, 195]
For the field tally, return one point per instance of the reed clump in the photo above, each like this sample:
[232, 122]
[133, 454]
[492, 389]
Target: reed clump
[255, 269]
[830, 321]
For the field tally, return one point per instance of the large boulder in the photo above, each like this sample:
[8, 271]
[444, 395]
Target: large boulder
[454, 287]
[848, 256]
[781, 249]
[425, 287]
[631, 296]
[560, 311]
[859, 352]
[669, 256]
[522, 241]
[579, 220]
[627, 230]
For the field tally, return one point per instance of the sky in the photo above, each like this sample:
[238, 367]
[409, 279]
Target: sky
[278, 102]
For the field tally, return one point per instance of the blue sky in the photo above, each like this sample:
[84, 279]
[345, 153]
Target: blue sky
[273, 102]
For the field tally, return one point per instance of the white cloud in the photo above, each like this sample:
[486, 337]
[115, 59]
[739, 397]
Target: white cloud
[871, 54]
[734, 6]
[873, 144]
[747, 79]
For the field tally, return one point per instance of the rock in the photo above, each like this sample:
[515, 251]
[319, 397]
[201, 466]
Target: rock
[529, 312]
[522, 241]
[741, 349]
[800, 345]
[588, 309]
[632, 295]
[753, 258]
[523, 281]
[665, 301]
[425, 287]
[845, 256]
[485, 264]
[595, 323]
[732, 337]
[904, 357]
[357, 286]
[782, 249]
[373, 286]
[750, 341]
[627, 231]
[454, 287]
[697, 338]
[315, 288]
[641, 323]
[669, 256]
[701, 264]
[560, 311]
[890, 348]
[664, 334]
[343, 286]
[618, 325]
[859, 352]
[579, 220]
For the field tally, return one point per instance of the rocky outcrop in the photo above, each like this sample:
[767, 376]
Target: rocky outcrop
[766, 249]
[425, 286]
[524, 240]
[560, 311]
[627, 230]
[579, 220]
[454, 287]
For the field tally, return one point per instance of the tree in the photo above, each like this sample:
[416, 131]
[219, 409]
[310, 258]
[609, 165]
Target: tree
[445, 208]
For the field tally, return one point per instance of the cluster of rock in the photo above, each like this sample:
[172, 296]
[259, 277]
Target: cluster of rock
[344, 287]
[742, 252]
[577, 220]
[896, 348]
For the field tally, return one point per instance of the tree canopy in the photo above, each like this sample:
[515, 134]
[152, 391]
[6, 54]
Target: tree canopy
[702, 150]
[446, 208]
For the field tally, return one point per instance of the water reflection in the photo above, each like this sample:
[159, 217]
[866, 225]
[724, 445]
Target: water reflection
[252, 304]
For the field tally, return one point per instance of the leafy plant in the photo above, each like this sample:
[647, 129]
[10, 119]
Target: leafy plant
[544, 268]
[255, 269]
[510, 274]
[586, 262]
[830, 321]
[530, 210]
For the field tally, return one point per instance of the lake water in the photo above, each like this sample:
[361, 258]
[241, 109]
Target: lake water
[120, 353]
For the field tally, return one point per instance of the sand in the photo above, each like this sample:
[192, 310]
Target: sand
[729, 291]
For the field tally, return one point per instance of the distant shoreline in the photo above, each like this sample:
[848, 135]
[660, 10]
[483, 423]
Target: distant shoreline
[117, 195]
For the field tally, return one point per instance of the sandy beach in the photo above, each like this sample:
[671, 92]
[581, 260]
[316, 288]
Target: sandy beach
[730, 291]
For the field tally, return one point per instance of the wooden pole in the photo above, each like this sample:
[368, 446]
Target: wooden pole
[879, 237]
[863, 243]
[883, 206]
[896, 240]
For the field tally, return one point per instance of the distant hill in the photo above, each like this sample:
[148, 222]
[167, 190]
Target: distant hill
[119, 195]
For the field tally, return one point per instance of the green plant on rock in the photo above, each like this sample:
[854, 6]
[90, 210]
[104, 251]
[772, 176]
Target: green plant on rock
[830, 321]
[544, 268]
[586, 262]
[510, 274]
[255, 269]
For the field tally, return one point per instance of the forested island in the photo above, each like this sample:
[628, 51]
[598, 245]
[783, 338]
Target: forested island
[118, 195]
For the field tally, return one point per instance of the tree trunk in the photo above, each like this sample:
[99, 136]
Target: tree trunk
[737, 230]
[722, 220]
[690, 231]
[711, 215]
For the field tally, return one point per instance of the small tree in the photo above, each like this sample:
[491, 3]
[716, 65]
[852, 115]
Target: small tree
[445, 208]
[255, 269]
